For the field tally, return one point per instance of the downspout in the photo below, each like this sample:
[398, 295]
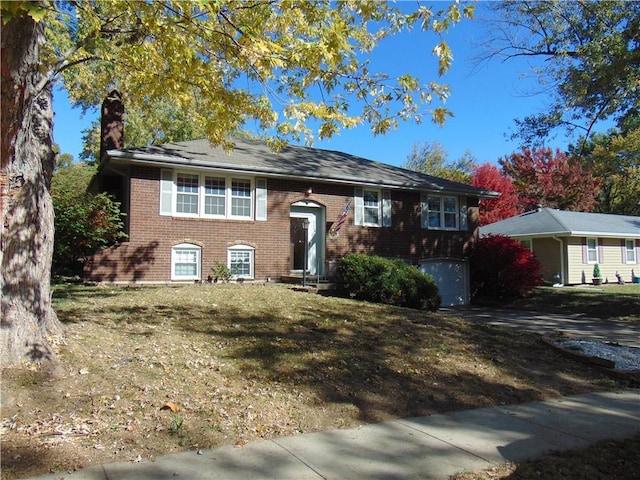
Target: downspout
[562, 272]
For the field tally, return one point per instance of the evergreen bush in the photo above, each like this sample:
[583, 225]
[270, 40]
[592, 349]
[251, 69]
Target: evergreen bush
[394, 282]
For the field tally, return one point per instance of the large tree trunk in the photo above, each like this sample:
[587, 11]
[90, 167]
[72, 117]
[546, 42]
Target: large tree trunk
[26, 241]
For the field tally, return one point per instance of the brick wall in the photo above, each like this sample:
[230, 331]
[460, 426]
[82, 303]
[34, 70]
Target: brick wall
[146, 257]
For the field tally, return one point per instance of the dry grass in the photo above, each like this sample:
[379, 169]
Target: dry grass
[243, 362]
[605, 460]
[610, 301]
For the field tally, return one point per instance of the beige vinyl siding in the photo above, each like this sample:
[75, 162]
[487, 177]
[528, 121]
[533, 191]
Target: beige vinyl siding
[547, 251]
[611, 261]
[578, 272]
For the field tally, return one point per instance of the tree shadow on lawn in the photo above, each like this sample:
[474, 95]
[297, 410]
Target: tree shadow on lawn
[610, 301]
[360, 361]
[397, 367]
[387, 362]
[73, 291]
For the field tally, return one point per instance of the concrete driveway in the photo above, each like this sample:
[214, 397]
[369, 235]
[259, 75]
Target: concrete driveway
[624, 333]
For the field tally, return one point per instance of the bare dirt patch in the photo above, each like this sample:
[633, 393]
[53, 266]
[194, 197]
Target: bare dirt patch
[244, 362]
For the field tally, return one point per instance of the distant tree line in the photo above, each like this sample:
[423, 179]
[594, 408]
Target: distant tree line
[604, 178]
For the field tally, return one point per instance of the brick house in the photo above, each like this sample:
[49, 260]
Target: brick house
[190, 206]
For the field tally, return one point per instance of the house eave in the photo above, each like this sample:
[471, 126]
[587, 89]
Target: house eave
[538, 234]
[159, 160]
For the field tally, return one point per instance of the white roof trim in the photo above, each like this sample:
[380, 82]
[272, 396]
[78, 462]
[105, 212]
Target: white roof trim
[577, 234]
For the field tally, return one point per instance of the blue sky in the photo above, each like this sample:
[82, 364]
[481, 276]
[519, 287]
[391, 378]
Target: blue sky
[484, 100]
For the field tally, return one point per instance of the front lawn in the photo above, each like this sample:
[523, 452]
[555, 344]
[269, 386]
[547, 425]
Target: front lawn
[151, 370]
[611, 301]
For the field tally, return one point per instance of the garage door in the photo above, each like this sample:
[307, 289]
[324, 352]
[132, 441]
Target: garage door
[452, 278]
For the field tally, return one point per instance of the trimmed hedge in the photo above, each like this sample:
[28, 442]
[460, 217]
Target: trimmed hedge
[376, 279]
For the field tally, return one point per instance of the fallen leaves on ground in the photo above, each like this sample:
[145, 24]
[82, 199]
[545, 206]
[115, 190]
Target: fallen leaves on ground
[154, 370]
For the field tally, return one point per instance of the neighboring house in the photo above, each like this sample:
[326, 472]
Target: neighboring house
[190, 206]
[569, 244]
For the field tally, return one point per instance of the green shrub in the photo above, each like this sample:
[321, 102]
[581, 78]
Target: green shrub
[221, 273]
[84, 223]
[376, 279]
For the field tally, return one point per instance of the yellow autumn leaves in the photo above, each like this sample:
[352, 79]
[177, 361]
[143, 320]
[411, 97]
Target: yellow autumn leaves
[298, 69]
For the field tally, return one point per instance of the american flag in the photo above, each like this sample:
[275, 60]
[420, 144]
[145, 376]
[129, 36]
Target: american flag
[343, 218]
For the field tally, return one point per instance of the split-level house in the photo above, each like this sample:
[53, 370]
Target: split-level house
[570, 244]
[268, 215]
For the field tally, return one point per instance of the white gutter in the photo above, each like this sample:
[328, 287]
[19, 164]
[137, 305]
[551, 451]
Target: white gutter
[628, 235]
[607, 234]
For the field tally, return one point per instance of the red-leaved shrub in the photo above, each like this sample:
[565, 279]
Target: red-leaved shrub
[502, 268]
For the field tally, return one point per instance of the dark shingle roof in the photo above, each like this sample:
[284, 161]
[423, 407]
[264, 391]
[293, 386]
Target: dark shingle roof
[548, 221]
[292, 161]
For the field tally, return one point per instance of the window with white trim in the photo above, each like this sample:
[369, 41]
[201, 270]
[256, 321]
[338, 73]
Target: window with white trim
[592, 250]
[241, 261]
[450, 213]
[215, 196]
[440, 212]
[187, 198]
[630, 251]
[185, 262]
[240, 198]
[371, 207]
[212, 196]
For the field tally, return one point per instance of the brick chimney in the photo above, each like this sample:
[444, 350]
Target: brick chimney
[112, 123]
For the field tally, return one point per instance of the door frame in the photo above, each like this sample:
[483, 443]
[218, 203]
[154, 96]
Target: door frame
[315, 213]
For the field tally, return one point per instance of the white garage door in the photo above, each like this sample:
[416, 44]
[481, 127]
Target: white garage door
[452, 278]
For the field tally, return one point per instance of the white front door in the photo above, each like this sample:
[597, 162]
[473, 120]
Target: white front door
[298, 244]
[315, 239]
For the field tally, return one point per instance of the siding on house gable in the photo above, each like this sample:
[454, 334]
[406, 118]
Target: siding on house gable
[146, 257]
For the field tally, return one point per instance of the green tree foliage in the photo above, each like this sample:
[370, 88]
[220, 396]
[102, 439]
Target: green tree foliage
[84, 222]
[501, 268]
[591, 52]
[551, 179]
[614, 158]
[62, 159]
[617, 163]
[393, 282]
[489, 177]
[163, 123]
[431, 158]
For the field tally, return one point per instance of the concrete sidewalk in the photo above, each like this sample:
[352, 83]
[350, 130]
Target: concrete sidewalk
[432, 447]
